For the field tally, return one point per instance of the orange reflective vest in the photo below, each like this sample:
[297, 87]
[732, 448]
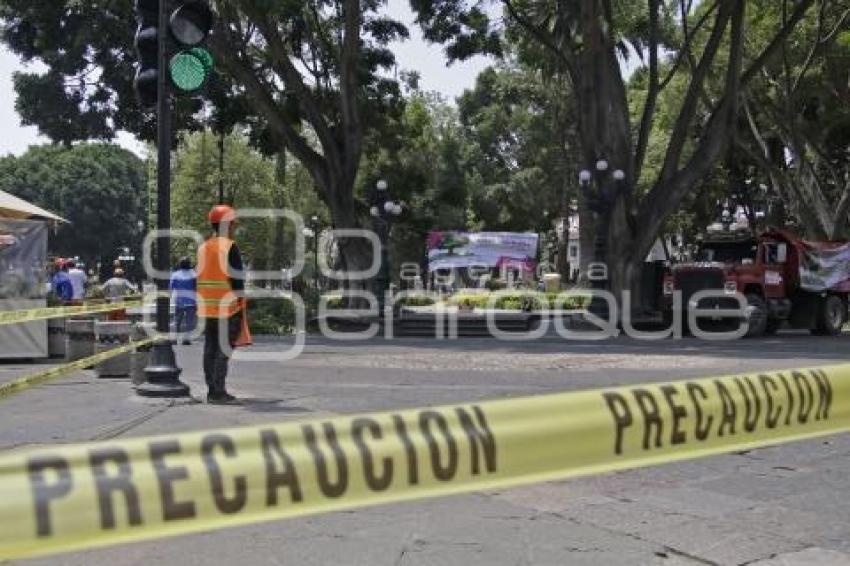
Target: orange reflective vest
[216, 298]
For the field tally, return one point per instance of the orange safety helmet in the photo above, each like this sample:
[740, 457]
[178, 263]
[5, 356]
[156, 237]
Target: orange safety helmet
[221, 213]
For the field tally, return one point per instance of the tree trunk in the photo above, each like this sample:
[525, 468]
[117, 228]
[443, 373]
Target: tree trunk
[277, 253]
[356, 253]
[624, 258]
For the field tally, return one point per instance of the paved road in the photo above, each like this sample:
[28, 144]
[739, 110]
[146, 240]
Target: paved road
[781, 505]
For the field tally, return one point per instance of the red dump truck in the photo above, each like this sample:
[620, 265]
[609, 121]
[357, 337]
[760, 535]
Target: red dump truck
[783, 277]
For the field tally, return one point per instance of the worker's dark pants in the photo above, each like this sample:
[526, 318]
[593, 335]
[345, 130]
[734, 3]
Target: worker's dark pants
[215, 360]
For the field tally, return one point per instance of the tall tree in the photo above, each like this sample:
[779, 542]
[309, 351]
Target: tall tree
[798, 120]
[315, 64]
[423, 156]
[525, 147]
[585, 39]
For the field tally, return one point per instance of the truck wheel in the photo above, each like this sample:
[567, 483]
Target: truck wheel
[758, 316]
[667, 318]
[772, 326]
[831, 317]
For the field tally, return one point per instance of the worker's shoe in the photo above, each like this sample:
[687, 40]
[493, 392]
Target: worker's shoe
[222, 399]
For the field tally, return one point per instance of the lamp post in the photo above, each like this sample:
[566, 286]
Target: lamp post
[384, 211]
[600, 202]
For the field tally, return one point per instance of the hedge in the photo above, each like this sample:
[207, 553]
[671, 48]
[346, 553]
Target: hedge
[522, 300]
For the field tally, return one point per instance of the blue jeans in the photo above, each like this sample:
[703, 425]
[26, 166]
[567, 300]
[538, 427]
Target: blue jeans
[185, 320]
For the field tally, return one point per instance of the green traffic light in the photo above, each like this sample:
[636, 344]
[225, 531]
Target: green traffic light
[205, 57]
[190, 69]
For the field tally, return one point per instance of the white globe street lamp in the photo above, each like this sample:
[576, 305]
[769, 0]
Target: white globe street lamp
[619, 175]
[382, 185]
[584, 176]
[374, 212]
[601, 165]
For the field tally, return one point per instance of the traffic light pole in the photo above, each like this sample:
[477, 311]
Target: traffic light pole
[162, 376]
[163, 170]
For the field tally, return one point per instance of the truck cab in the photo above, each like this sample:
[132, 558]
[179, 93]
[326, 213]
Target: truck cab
[766, 270]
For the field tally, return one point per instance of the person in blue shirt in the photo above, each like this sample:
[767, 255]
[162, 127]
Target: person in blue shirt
[183, 286]
[61, 283]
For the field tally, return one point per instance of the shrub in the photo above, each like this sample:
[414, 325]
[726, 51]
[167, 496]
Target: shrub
[416, 301]
[519, 300]
[271, 316]
[576, 301]
[334, 301]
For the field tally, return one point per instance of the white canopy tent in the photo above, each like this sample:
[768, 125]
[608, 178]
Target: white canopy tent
[23, 255]
[17, 208]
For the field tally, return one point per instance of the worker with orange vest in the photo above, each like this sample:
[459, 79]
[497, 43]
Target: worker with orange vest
[221, 304]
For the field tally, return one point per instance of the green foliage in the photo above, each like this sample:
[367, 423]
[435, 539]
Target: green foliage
[334, 301]
[87, 46]
[800, 111]
[503, 160]
[423, 159]
[524, 147]
[310, 77]
[519, 300]
[416, 301]
[271, 316]
[98, 188]
[250, 180]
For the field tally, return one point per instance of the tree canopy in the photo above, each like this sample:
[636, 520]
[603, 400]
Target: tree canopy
[308, 76]
[98, 188]
[701, 46]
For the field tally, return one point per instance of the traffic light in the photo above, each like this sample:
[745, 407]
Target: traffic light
[189, 63]
[147, 50]
[191, 66]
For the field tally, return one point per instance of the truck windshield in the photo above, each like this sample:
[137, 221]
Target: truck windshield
[728, 252]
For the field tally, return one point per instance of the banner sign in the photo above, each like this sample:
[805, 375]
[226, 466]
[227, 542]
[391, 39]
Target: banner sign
[454, 250]
[825, 268]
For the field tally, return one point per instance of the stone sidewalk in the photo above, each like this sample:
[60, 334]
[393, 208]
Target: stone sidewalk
[780, 505]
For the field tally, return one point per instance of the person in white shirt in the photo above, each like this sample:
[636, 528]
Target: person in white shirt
[78, 282]
[117, 287]
[115, 290]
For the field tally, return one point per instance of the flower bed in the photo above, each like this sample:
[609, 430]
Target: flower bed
[520, 300]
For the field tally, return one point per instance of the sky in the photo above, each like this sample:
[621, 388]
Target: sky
[413, 54]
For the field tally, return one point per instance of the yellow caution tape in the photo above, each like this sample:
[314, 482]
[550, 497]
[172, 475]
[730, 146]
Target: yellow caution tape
[22, 384]
[16, 317]
[62, 498]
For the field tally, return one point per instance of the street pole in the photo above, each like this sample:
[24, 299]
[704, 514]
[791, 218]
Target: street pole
[383, 212]
[221, 167]
[315, 221]
[316, 263]
[162, 376]
[382, 226]
[600, 203]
